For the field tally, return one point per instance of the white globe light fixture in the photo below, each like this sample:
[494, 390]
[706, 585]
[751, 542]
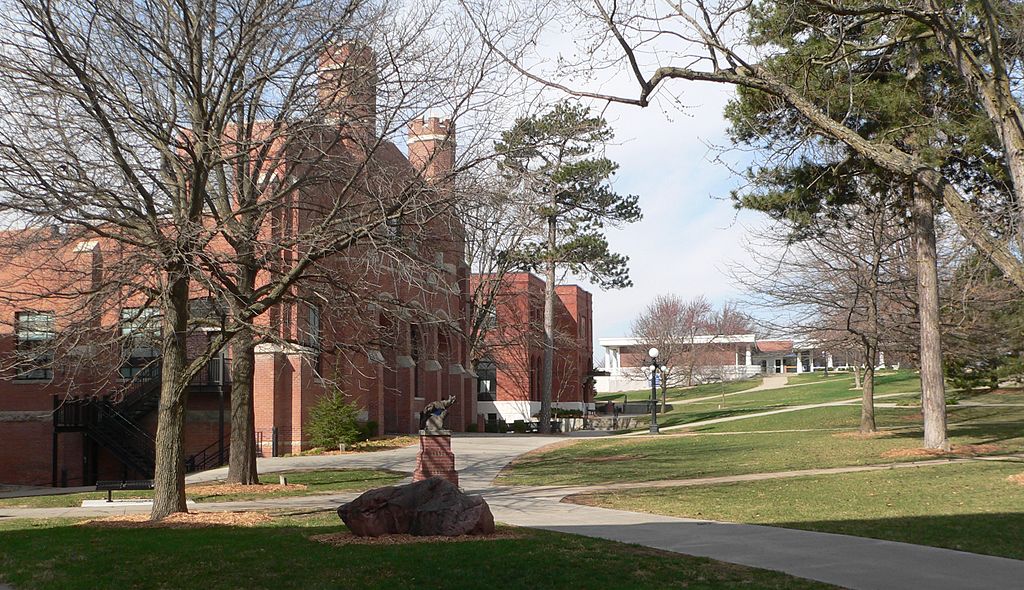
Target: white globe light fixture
[653, 352]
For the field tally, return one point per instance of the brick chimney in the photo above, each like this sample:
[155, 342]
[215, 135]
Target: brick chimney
[432, 148]
[347, 86]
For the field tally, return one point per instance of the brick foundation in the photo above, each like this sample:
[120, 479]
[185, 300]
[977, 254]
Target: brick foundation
[436, 458]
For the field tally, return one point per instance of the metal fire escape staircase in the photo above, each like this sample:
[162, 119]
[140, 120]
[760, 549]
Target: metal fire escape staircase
[117, 425]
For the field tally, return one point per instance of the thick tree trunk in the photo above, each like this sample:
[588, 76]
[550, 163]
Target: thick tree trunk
[242, 459]
[856, 376]
[549, 333]
[169, 476]
[867, 406]
[933, 394]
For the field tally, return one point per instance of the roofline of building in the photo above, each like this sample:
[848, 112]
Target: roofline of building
[718, 338]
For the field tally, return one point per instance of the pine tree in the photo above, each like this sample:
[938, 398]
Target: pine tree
[555, 162]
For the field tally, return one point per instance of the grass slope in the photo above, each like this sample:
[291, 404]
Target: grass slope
[804, 439]
[969, 507]
[279, 556]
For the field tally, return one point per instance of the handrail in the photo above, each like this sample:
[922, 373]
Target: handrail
[210, 457]
[114, 423]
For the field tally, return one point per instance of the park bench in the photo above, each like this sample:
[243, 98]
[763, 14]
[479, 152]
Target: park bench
[110, 486]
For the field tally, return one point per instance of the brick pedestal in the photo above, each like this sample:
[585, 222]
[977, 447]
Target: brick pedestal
[435, 458]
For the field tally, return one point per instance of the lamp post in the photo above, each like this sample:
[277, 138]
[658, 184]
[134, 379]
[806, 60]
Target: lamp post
[655, 367]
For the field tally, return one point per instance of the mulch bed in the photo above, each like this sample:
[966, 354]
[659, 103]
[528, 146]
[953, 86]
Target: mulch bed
[956, 451]
[366, 446]
[346, 538]
[863, 435]
[181, 520]
[221, 489]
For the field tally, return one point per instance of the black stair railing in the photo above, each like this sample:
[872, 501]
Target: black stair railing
[211, 456]
[115, 424]
[131, 444]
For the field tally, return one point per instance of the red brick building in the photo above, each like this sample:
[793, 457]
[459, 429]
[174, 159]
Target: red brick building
[510, 363]
[77, 401]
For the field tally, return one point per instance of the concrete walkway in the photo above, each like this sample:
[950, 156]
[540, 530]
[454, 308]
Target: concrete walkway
[851, 562]
[782, 410]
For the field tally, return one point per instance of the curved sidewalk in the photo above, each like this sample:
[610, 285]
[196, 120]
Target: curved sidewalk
[850, 562]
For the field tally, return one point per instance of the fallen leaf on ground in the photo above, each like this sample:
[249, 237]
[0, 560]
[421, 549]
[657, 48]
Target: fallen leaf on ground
[956, 451]
[221, 489]
[181, 520]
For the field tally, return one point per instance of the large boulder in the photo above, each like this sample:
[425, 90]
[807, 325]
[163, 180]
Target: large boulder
[433, 506]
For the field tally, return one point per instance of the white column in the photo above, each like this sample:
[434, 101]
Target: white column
[881, 358]
[828, 359]
[748, 356]
[607, 359]
[799, 362]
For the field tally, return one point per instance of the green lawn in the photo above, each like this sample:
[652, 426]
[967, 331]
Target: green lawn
[970, 507]
[680, 393]
[279, 556]
[316, 482]
[804, 439]
[831, 389]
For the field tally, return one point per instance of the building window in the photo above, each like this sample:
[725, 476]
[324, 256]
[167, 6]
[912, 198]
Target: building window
[311, 337]
[486, 381]
[415, 349]
[313, 334]
[140, 337]
[34, 331]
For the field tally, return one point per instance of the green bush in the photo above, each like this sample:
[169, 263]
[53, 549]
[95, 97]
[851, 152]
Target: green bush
[333, 422]
[967, 375]
[471, 427]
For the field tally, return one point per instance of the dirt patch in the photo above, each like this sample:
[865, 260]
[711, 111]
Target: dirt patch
[857, 435]
[181, 520]
[223, 489]
[956, 451]
[1017, 479]
[342, 539]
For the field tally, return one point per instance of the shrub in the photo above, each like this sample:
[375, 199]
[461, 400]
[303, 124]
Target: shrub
[333, 422]
[471, 427]
[968, 375]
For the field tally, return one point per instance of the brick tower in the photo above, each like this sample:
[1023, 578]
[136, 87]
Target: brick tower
[347, 87]
[432, 148]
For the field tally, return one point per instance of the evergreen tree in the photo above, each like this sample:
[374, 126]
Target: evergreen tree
[906, 94]
[555, 163]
